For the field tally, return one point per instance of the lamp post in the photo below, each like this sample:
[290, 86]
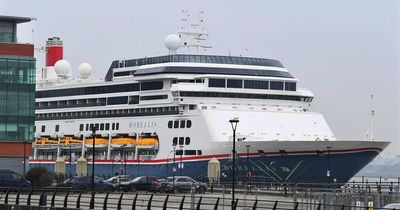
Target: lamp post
[328, 173]
[234, 123]
[248, 164]
[24, 167]
[180, 165]
[124, 153]
[93, 154]
[70, 160]
[173, 168]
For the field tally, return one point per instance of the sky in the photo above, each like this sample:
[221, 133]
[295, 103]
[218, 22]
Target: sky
[343, 50]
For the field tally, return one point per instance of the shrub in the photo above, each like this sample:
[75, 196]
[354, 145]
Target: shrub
[39, 177]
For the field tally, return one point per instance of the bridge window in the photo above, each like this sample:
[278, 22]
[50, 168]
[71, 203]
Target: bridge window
[254, 84]
[291, 86]
[216, 83]
[234, 83]
[274, 85]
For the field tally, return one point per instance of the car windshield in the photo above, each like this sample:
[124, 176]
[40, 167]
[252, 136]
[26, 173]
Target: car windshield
[169, 179]
[136, 179]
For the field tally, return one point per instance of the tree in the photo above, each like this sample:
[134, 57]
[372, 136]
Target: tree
[39, 177]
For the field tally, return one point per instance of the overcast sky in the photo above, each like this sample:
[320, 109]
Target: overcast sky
[343, 50]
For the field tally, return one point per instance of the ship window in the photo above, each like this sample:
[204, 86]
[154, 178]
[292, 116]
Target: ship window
[133, 99]
[117, 126]
[276, 85]
[156, 85]
[176, 124]
[113, 126]
[183, 123]
[97, 126]
[234, 83]
[190, 152]
[57, 129]
[170, 124]
[107, 126]
[43, 128]
[154, 97]
[81, 127]
[187, 140]
[291, 86]
[102, 126]
[254, 84]
[87, 127]
[175, 141]
[199, 152]
[117, 100]
[181, 140]
[189, 124]
[216, 82]
[179, 152]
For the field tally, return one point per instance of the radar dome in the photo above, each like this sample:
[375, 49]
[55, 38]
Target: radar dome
[62, 68]
[173, 42]
[85, 70]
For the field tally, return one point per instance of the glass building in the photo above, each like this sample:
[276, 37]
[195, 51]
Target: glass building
[17, 98]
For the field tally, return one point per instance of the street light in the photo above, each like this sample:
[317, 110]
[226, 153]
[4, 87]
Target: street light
[180, 165]
[93, 153]
[328, 173]
[248, 164]
[234, 123]
[24, 168]
[70, 160]
[124, 153]
[173, 168]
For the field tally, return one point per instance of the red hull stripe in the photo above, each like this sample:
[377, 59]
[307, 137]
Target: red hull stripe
[205, 157]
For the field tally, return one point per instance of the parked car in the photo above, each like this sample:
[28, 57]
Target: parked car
[9, 178]
[139, 183]
[182, 184]
[392, 206]
[84, 183]
[117, 180]
[68, 182]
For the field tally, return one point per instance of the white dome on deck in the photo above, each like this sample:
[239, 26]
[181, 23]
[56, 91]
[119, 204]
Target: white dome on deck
[62, 68]
[172, 42]
[85, 70]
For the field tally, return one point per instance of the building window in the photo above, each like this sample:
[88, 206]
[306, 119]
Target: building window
[187, 140]
[234, 83]
[43, 128]
[57, 129]
[216, 83]
[189, 124]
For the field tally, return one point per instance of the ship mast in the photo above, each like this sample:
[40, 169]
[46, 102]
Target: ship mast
[370, 132]
[193, 32]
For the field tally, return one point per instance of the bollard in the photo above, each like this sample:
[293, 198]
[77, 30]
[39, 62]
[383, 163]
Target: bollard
[182, 202]
[149, 203]
[255, 205]
[28, 201]
[105, 201]
[66, 200]
[275, 205]
[199, 203]
[92, 201]
[53, 199]
[216, 204]
[17, 198]
[119, 201]
[134, 202]
[78, 200]
[165, 203]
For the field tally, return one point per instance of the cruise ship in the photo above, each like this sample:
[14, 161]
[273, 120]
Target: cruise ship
[171, 114]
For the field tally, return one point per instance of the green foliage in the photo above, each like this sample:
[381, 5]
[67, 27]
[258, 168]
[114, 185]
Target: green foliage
[39, 177]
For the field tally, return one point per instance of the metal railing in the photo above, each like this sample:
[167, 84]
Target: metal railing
[65, 198]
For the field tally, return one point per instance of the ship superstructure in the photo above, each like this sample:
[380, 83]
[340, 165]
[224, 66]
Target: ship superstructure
[170, 114]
